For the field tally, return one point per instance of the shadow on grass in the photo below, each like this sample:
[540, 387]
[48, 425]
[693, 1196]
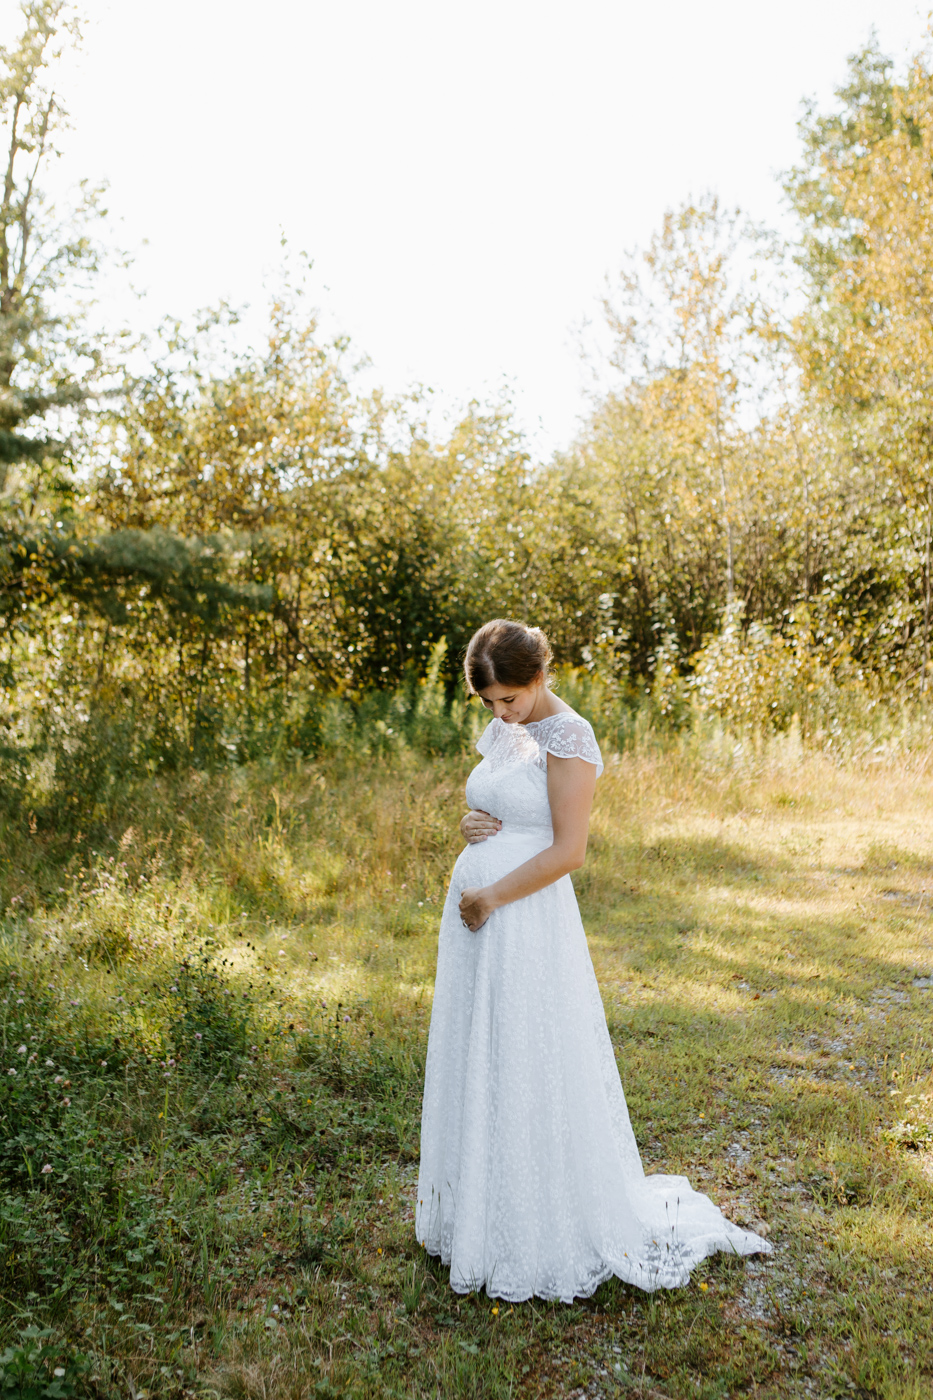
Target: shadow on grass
[628, 867]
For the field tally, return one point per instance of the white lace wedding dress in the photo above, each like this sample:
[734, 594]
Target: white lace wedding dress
[530, 1180]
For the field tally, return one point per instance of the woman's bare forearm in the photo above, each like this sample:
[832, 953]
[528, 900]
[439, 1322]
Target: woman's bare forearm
[570, 793]
[543, 869]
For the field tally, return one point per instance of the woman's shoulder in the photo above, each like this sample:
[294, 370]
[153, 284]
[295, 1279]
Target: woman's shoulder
[562, 719]
[566, 734]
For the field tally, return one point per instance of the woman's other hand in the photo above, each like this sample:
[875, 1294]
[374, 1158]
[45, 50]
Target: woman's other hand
[475, 908]
[476, 826]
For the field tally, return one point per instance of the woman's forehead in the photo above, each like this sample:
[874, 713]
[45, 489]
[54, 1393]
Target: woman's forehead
[499, 692]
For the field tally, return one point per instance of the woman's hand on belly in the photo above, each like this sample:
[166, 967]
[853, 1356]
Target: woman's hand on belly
[477, 825]
[475, 908]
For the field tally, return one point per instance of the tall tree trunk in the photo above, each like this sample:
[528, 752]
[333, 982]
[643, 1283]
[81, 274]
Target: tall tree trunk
[730, 561]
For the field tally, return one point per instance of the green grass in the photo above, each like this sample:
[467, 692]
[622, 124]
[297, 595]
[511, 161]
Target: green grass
[234, 990]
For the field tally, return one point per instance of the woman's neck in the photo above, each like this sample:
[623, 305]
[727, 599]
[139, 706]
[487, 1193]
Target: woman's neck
[547, 704]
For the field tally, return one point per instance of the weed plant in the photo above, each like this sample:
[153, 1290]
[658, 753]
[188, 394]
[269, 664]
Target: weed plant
[213, 1021]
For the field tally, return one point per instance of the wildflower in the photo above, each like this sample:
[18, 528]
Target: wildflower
[197, 1035]
[67, 1102]
[59, 1371]
[103, 1064]
[11, 1071]
[75, 1003]
[46, 1169]
[50, 1064]
[378, 1251]
[31, 1060]
[346, 1018]
[22, 1050]
[495, 1312]
[58, 1079]
[704, 1287]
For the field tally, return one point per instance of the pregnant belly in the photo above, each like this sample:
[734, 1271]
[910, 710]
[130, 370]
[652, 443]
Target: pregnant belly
[487, 861]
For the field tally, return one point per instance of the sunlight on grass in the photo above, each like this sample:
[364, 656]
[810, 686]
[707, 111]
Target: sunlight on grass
[233, 1002]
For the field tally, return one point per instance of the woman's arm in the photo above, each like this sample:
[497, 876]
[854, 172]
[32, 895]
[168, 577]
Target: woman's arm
[571, 783]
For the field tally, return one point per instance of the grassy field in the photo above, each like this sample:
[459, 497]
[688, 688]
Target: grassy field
[217, 1021]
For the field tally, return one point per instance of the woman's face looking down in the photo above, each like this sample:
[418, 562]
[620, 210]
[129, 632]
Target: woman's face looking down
[514, 704]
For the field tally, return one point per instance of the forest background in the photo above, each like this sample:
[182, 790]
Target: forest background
[207, 555]
[234, 589]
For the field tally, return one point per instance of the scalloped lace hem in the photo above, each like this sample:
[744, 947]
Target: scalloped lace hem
[649, 1276]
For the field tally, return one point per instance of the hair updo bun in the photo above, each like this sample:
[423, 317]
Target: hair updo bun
[505, 653]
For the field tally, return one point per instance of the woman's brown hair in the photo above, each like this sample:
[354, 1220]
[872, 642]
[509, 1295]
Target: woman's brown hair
[505, 653]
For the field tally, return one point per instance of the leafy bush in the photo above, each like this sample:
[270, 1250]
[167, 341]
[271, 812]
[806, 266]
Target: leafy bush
[754, 677]
[37, 1367]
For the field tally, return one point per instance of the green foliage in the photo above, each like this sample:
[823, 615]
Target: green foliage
[214, 1027]
[34, 1368]
[47, 361]
[265, 560]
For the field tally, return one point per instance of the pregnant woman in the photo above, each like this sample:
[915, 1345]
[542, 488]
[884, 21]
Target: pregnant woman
[531, 1182]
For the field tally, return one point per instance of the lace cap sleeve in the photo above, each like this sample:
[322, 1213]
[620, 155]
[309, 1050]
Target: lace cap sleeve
[485, 741]
[570, 736]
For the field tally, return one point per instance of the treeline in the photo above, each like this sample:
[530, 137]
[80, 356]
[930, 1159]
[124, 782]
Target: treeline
[194, 560]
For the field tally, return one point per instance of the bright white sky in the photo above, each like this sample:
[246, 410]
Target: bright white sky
[463, 175]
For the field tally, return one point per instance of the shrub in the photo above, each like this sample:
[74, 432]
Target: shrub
[755, 678]
[37, 1367]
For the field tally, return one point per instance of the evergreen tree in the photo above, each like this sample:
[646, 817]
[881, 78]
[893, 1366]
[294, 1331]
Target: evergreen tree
[46, 364]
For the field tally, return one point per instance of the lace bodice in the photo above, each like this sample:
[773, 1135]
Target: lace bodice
[565, 735]
[511, 782]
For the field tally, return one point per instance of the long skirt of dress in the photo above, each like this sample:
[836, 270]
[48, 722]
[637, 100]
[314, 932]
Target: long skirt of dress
[531, 1183]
